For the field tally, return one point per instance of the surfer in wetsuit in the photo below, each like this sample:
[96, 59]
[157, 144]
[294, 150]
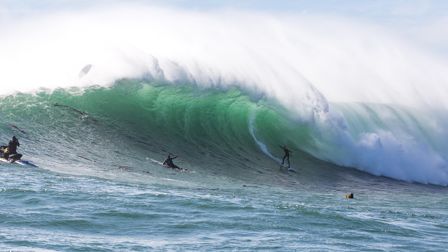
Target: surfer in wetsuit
[169, 162]
[11, 150]
[286, 156]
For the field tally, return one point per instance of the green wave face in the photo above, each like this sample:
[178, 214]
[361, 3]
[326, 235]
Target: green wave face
[133, 125]
[133, 122]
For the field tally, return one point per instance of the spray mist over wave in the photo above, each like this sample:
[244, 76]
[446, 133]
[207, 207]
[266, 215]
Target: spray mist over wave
[343, 60]
[305, 63]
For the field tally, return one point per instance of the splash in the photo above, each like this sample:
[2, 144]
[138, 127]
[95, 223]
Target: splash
[308, 64]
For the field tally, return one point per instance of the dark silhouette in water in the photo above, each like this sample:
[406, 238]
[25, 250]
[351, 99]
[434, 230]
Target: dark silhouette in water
[286, 156]
[169, 162]
[82, 113]
[10, 151]
[17, 128]
[71, 108]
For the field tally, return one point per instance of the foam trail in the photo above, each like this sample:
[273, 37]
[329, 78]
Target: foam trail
[260, 144]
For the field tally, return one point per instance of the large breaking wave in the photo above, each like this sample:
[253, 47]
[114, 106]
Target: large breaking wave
[351, 94]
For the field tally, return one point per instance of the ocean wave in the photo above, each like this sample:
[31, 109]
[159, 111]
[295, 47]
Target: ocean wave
[226, 126]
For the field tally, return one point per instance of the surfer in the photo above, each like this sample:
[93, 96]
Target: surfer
[83, 114]
[10, 151]
[169, 162]
[286, 156]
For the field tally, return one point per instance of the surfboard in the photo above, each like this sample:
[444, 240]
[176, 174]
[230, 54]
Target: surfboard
[176, 169]
[19, 162]
[290, 169]
[156, 161]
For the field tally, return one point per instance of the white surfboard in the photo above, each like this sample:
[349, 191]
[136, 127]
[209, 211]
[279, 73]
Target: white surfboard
[19, 162]
[290, 169]
[161, 163]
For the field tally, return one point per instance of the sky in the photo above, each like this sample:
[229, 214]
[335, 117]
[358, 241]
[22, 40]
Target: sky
[422, 21]
[390, 42]
[410, 17]
[369, 8]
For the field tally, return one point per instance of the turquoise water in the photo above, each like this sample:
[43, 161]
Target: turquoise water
[97, 187]
[46, 210]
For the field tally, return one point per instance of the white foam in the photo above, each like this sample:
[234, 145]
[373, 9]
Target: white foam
[283, 56]
[301, 61]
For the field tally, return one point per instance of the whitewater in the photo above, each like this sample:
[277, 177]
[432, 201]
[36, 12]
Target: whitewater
[98, 97]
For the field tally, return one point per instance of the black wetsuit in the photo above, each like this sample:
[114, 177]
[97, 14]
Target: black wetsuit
[169, 162]
[12, 149]
[286, 156]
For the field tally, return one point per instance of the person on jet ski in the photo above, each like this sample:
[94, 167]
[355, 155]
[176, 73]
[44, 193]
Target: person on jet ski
[11, 150]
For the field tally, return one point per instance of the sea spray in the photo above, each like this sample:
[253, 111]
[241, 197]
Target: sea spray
[297, 62]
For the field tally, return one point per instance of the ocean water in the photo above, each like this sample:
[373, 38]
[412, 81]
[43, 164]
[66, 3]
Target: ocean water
[99, 96]
[47, 211]
[98, 188]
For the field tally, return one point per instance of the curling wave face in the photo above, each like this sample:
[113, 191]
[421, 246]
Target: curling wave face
[218, 131]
